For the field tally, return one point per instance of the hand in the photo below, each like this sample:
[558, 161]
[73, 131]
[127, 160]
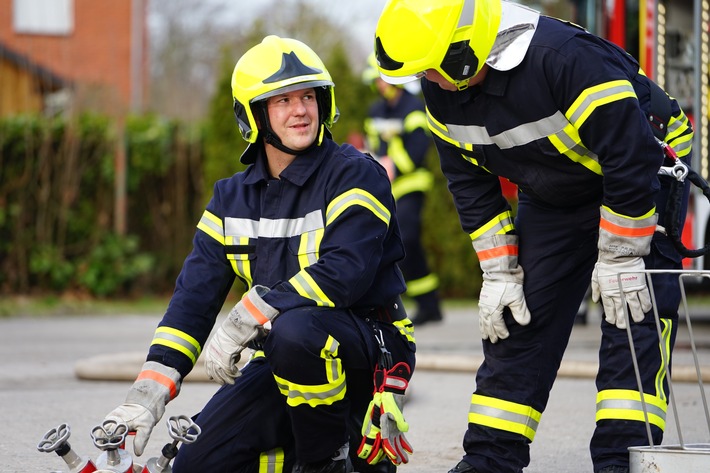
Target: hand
[605, 286]
[502, 285]
[384, 425]
[222, 356]
[249, 319]
[145, 403]
[495, 296]
[622, 243]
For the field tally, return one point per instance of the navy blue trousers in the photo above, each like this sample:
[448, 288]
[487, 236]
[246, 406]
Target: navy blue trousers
[249, 425]
[558, 250]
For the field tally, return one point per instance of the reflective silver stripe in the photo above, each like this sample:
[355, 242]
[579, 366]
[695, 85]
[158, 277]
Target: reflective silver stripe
[600, 94]
[271, 461]
[273, 228]
[630, 405]
[517, 136]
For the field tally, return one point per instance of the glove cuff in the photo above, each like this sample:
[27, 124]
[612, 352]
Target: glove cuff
[254, 306]
[622, 238]
[498, 257]
[154, 387]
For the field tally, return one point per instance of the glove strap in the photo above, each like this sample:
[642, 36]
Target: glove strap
[621, 237]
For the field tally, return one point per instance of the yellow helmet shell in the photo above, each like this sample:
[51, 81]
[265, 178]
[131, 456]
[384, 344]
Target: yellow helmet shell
[275, 66]
[453, 37]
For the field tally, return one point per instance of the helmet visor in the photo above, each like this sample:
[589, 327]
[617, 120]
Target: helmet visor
[403, 79]
[292, 87]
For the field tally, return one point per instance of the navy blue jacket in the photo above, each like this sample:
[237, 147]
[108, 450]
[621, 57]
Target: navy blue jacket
[323, 234]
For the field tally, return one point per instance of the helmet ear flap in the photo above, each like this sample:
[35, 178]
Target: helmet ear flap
[460, 61]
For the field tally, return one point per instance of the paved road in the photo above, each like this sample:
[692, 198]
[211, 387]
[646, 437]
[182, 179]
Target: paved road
[40, 389]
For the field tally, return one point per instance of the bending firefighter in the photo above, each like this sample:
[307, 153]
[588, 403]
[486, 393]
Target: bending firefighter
[397, 134]
[572, 120]
[310, 229]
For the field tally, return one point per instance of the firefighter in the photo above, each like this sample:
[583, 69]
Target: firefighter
[310, 229]
[573, 121]
[397, 134]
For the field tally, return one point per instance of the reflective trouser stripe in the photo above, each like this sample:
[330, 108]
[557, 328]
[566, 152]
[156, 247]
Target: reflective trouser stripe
[504, 415]
[271, 461]
[625, 404]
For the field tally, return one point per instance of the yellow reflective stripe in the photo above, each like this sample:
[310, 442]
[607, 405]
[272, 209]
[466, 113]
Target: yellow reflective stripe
[307, 287]
[642, 217]
[308, 247]
[569, 143]
[406, 329]
[664, 346]
[596, 96]
[416, 119]
[498, 225]
[271, 461]
[356, 197]
[257, 354]
[177, 340]
[440, 130]
[504, 415]
[320, 394]
[241, 265]
[420, 180]
[399, 155]
[212, 225]
[625, 404]
[417, 287]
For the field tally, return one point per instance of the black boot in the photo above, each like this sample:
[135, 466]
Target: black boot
[338, 463]
[462, 467]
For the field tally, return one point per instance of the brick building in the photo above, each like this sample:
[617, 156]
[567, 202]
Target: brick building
[96, 51]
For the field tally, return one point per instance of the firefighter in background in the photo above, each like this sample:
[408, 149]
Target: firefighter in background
[396, 133]
[572, 121]
[310, 229]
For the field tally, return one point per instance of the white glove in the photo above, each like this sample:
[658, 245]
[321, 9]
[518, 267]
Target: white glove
[502, 286]
[605, 286]
[222, 358]
[249, 319]
[495, 296]
[622, 243]
[145, 403]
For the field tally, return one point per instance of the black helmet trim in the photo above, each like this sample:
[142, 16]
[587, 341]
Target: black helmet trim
[297, 86]
[383, 60]
[291, 66]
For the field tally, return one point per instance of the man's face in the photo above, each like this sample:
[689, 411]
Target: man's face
[294, 117]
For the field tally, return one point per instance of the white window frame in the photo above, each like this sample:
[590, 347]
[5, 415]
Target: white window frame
[48, 17]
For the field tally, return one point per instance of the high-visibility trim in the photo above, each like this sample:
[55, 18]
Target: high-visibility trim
[625, 404]
[440, 130]
[212, 226]
[498, 225]
[569, 143]
[416, 119]
[241, 264]
[420, 180]
[664, 346]
[356, 197]
[425, 285]
[321, 394]
[177, 340]
[626, 231]
[308, 247]
[272, 461]
[399, 155]
[498, 252]
[593, 97]
[159, 378]
[641, 217]
[254, 310]
[504, 415]
[307, 287]
[406, 329]
[274, 228]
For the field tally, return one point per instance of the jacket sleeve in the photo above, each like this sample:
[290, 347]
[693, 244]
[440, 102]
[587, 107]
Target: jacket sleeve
[200, 291]
[359, 224]
[594, 88]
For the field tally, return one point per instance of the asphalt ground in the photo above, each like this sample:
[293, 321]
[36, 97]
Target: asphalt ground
[75, 369]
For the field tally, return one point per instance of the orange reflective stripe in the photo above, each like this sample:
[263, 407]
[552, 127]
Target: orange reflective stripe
[627, 231]
[497, 252]
[159, 378]
[256, 313]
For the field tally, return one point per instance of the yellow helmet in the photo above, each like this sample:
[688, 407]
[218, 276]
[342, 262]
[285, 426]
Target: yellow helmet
[275, 66]
[453, 37]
